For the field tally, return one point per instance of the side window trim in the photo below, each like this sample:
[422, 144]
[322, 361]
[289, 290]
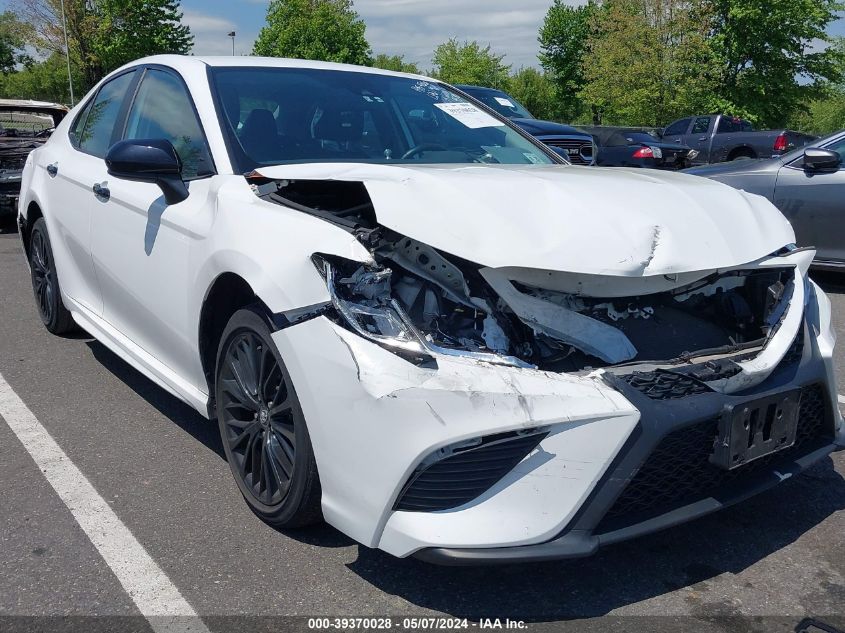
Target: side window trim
[83, 112]
[131, 102]
[121, 114]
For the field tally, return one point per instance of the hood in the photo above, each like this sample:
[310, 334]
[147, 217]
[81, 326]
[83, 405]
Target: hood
[749, 166]
[563, 218]
[537, 127]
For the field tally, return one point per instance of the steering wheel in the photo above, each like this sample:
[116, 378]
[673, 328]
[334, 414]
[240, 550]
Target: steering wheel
[423, 147]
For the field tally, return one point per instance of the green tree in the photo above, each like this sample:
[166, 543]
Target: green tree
[649, 62]
[773, 55]
[535, 91]
[469, 63]
[130, 29]
[325, 30]
[44, 80]
[563, 40]
[11, 43]
[826, 114]
[395, 62]
[105, 34]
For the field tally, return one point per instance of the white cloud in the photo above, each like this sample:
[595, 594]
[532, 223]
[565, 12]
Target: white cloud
[210, 34]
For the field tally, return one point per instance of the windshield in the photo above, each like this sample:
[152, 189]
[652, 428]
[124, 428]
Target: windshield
[295, 115]
[502, 103]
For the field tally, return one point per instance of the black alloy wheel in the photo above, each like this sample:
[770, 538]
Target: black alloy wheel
[262, 426]
[45, 281]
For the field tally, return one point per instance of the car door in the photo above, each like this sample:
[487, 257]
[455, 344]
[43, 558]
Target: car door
[814, 202]
[69, 195]
[698, 138]
[142, 246]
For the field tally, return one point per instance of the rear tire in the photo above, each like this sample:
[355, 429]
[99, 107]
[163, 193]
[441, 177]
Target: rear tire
[263, 428]
[45, 282]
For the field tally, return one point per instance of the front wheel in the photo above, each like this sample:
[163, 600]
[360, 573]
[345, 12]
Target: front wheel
[45, 281]
[262, 426]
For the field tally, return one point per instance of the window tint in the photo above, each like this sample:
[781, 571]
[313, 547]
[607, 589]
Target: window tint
[728, 125]
[287, 115]
[99, 125]
[677, 128]
[838, 146]
[701, 125]
[163, 110]
[78, 125]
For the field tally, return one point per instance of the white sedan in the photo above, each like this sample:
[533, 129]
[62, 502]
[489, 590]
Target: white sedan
[413, 321]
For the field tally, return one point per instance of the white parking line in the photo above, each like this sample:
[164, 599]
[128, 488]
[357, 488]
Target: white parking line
[156, 597]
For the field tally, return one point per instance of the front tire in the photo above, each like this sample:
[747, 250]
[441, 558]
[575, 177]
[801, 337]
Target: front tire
[45, 281]
[262, 426]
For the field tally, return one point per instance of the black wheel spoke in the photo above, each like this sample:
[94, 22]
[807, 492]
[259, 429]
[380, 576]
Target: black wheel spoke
[257, 414]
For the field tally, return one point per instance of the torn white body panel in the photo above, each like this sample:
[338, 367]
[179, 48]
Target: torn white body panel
[392, 414]
[628, 223]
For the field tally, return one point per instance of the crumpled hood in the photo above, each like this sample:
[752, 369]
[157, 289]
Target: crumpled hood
[584, 220]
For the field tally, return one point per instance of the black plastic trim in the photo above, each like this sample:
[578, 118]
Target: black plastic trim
[581, 538]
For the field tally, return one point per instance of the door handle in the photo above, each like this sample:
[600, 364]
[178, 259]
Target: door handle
[101, 192]
[702, 139]
[53, 169]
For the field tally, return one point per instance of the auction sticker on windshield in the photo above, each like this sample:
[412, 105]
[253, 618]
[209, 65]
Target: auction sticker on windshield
[469, 115]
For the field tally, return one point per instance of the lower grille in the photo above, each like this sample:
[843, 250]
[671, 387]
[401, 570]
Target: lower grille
[465, 474]
[679, 471]
[665, 385]
[578, 152]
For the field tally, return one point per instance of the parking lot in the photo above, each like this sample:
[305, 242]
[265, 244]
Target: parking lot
[760, 566]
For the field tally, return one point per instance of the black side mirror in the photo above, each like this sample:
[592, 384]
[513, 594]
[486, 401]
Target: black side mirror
[149, 160]
[818, 159]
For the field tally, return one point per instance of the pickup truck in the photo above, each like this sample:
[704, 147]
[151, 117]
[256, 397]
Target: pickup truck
[719, 138]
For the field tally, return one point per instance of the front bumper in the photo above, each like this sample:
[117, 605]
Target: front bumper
[374, 417]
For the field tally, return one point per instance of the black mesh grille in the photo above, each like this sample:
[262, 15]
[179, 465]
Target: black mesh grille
[580, 149]
[678, 471]
[665, 385]
[463, 476]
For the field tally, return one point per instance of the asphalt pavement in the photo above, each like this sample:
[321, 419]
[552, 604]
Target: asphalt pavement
[160, 467]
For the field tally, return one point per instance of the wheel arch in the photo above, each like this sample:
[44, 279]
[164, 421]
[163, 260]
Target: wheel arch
[33, 212]
[742, 150]
[228, 293]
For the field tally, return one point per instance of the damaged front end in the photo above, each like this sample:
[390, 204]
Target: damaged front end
[421, 302]
[524, 398]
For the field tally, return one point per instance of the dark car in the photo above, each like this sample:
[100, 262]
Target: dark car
[718, 138]
[572, 144]
[630, 147]
[24, 125]
[807, 185]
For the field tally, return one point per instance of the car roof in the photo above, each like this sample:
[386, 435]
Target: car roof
[192, 63]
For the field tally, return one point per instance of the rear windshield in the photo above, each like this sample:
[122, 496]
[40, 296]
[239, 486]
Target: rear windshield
[293, 115]
[25, 123]
[502, 103]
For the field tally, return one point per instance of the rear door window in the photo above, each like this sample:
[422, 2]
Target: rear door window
[98, 134]
[678, 128]
[701, 125]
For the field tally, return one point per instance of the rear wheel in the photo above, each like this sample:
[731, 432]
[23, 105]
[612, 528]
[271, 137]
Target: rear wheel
[45, 281]
[263, 428]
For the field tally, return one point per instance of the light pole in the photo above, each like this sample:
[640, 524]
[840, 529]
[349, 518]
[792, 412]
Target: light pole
[67, 55]
[232, 35]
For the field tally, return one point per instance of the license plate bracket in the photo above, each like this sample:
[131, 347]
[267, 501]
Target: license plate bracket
[756, 428]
